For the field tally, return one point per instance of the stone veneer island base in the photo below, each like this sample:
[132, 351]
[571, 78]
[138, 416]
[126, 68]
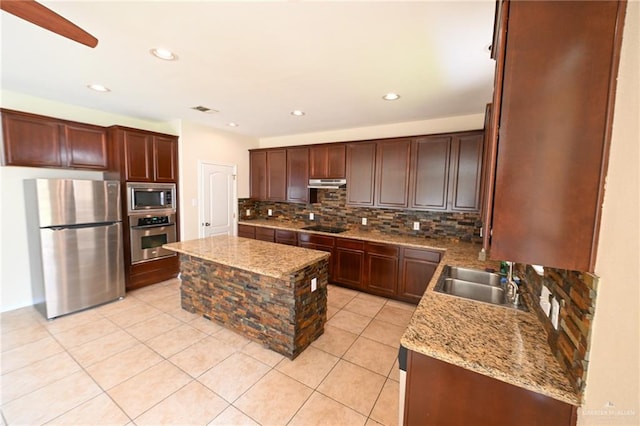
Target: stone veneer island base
[258, 289]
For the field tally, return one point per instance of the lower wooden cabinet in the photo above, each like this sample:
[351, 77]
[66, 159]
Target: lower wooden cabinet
[246, 231]
[439, 393]
[266, 234]
[322, 243]
[381, 266]
[388, 270]
[284, 236]
[417, 269]
[349, 262]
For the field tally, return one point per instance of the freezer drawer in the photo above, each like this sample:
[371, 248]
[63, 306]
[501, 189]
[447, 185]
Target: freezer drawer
[82, 267]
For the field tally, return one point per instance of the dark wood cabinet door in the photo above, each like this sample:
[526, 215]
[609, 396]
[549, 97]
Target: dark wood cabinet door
[336, 161]
[381, 265]
[165, 156]
[265, 234]
[246, 231]
[461, 397]
[297, 175]
[554, 131]
[138, 156]
[31, 140]
[284, 236]
[318, 161]
[86, 146]
[258, 166]
[417, 269]
[392, 173]
[277, 175]
[327, 161]
[361, 164]
[349, 262]
[466, 172]
[429, 189]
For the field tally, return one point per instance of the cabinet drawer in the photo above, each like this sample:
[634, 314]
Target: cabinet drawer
[316, 239]
[246, 231]
[427, 255]
[382, 249]
[265, 234]
[284, 236]
[350, 244]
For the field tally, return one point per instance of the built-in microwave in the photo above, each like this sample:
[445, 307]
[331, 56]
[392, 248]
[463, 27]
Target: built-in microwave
[145, 197]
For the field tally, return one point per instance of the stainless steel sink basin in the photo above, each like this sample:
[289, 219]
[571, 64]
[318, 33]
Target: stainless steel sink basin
[474, 275]
[476, 285]
[470, 290]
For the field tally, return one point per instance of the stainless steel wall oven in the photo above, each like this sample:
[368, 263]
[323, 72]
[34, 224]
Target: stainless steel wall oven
[148, 233]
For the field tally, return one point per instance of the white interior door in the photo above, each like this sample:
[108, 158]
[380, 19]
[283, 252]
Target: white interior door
[218, 200]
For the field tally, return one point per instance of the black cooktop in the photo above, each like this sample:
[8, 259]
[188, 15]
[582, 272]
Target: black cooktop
[328, 229]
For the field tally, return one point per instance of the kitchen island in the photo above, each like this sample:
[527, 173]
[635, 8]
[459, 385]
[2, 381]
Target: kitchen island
[262, 290]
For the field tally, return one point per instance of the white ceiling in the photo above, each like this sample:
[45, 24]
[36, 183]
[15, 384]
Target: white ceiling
[255, 62]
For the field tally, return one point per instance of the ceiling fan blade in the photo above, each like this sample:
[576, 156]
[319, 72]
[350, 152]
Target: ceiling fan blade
[34, 12]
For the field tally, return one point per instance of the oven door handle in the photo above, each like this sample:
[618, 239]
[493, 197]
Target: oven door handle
[160, 225]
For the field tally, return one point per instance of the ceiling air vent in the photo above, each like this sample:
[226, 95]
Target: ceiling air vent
[204, 109]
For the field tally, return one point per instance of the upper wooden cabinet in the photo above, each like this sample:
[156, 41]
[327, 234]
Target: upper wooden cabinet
[361, 167]
[465, 172]
[258, 171]
[38, 141]
[268, 174]
[392, 173]
[146, 156]
[555, 114]
[430, 160]
[327, 161]
[297, 174]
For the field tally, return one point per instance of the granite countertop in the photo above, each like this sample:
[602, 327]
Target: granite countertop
[502, 343]
[278, 261]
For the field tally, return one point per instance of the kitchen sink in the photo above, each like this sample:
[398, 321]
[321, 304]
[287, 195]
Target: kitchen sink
[476, 285]
[327, 229]
[476, 291]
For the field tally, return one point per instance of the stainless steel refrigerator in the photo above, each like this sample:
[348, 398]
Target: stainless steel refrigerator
[75, 243]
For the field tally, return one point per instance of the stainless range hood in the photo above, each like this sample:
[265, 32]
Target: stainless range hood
[327, 183]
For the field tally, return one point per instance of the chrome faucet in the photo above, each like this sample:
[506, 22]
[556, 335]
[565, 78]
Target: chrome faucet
[512, 287]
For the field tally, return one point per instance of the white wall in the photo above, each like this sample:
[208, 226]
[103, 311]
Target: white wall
[413, 128]
[612, 393]
[15, 287]
[207, 144]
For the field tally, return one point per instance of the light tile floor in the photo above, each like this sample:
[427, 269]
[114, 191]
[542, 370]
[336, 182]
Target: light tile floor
[145, 361]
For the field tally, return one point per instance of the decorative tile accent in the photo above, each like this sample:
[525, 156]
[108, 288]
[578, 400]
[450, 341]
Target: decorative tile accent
[281, 313]
[332, 210]
[576, 292]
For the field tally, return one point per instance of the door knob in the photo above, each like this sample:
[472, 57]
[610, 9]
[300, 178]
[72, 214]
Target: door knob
[207, 224]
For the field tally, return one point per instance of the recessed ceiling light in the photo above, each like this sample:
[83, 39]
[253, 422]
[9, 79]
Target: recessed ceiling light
[233, 124]
[98, 88]
[391, 97]
[164, 54]
[297, 113]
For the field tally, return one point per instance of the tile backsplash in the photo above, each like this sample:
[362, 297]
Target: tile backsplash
[332, 210]
[576, 292]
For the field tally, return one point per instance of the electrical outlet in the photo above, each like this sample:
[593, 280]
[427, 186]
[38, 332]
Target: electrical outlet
[248, 212]
[364, 220]
[314, 284]
[544, 300]
[555, 312]
[312, 216]
[270, 212]
[416, 226]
